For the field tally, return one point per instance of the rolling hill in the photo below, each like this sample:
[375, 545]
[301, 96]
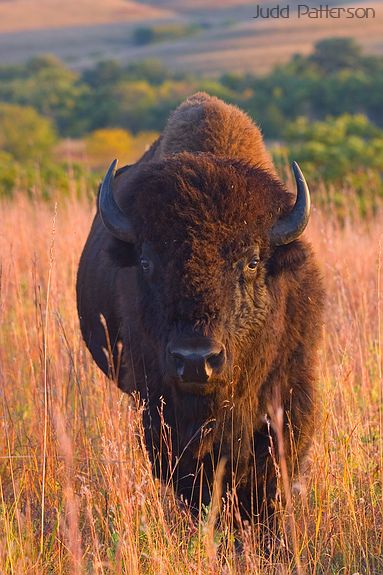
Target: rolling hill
[86, 31]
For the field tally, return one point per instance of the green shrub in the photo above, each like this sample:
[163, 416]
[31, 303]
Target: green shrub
[24, 134]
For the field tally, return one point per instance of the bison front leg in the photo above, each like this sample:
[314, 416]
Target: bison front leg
[255, 494]
[280, 451]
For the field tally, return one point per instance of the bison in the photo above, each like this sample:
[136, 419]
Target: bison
[195, 260]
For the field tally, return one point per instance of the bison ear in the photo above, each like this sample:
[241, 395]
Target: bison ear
[290, 227]
[288, 258]
[115, 221]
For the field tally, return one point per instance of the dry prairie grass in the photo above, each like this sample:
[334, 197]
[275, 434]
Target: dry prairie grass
[76, 492]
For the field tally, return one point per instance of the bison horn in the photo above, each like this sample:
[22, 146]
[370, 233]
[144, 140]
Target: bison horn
[290, 227]
[111, 215]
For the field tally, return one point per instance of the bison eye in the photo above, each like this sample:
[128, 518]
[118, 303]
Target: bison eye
[252, 265]
[146, 265]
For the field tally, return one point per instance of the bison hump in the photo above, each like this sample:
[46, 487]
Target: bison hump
[205, 123]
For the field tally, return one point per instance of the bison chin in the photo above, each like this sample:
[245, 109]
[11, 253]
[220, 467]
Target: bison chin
[196, 373]
[199, 414]
[197, 388]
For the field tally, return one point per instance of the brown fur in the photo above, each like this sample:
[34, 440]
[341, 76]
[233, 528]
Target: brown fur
[202, 201]
[204, 123]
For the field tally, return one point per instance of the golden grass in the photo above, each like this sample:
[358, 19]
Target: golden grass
[76, 491]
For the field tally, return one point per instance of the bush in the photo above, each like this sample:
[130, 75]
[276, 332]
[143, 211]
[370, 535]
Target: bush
[148, 35]
[24, 134]
[105, 145]
[344, 152]
[55, 91]
[8, 174]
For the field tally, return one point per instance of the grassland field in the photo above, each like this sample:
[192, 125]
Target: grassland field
[76, 492]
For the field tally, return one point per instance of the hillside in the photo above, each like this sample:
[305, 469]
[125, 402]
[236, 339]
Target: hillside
[17, 15]
[84, 32]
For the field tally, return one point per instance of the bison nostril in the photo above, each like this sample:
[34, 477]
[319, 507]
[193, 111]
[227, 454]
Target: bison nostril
[195, 359]
[216, 360]
[179, 363]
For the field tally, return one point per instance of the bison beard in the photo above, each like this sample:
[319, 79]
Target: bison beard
[195, 260]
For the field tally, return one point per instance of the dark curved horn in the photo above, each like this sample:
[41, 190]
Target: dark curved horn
[111, 215]
[290, 227]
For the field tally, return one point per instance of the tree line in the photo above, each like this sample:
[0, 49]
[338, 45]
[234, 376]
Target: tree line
[44, 100]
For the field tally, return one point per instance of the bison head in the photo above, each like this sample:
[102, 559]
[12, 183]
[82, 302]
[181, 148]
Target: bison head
[204, 231]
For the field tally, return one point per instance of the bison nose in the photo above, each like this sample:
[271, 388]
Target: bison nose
[196, 360]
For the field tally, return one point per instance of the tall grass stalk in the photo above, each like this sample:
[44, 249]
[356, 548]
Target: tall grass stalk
[76, 490]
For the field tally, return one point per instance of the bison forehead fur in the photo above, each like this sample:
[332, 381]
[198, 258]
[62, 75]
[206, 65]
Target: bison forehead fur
[205, 195]
[216, 320]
